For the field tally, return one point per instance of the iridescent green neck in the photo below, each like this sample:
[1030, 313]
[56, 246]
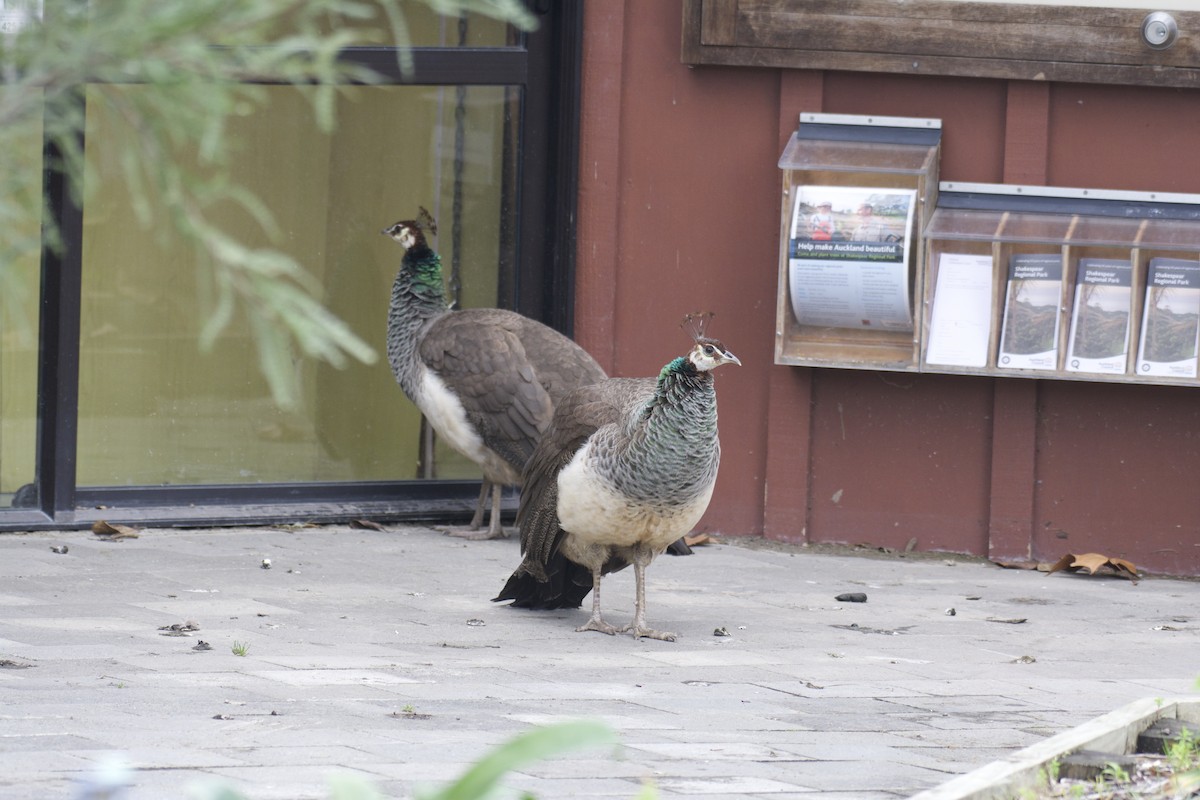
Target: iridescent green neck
[425, 267]
[417, 298]
[672, 450]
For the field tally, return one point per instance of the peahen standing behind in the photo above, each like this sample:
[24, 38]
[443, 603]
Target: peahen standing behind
[626, 468]
[486, 379]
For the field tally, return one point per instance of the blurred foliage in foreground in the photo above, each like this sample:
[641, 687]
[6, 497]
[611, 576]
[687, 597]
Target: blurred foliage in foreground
[206, 53]
[483, 779]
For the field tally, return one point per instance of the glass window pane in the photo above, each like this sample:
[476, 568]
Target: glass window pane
[20, 261]
[429, 29]
[426, 28]
[155, 410]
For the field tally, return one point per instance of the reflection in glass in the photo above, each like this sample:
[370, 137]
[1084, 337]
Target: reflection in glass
[20, 258]
[155, 410]
[426, 28]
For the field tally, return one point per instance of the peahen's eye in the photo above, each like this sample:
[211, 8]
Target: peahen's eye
[709, 349]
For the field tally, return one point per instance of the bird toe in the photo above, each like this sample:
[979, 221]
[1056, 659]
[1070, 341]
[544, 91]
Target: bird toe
[639, 632]
[598, 625]
[475, 534]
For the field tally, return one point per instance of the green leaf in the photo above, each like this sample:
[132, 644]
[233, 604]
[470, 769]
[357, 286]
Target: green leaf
[220, 317]
[347, 786]
[275, 361]
[536, 745]
[648, 792]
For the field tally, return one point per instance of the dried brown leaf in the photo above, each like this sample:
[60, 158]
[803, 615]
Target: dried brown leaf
[1122, 566]
[697, 539]
[1090, 561]
[109, 530]
[1062, 563]
[1094, 562]
[368, 524]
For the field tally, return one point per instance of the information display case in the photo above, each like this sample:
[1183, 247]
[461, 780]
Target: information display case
[1071, 284]
[856, 196]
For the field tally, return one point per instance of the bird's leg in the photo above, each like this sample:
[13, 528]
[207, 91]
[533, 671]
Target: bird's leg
[641, 559]
[480, 504]
[495, 528]
[596, 623]
[472, 531]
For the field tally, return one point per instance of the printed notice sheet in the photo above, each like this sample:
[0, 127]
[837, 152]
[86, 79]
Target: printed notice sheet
[960, 321]
[1171, 320]
[848, 252]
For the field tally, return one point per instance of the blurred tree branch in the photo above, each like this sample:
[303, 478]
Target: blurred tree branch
[210, 57]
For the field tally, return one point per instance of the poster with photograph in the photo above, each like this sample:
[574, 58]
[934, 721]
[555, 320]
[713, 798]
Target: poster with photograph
[848, 256]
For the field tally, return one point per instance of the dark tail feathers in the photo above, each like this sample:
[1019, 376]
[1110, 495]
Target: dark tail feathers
[567, 586]
[678, 548]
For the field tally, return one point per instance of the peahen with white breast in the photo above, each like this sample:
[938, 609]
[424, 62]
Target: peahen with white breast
[626, 468]
[486, 379]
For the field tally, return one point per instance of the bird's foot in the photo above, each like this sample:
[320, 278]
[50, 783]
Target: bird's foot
[597, 624]
[474, 534]
[642, 632]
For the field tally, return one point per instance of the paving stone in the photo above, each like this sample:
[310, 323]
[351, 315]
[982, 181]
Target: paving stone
[738, 786]
[371, 656]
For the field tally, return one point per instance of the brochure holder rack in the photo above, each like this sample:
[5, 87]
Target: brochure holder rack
[1074, 284]
[856, 196]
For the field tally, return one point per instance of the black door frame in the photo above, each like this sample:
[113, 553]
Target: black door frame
[547, 66]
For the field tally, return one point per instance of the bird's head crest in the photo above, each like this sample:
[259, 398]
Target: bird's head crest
[426, 220]
[696, 323]
[708, 353]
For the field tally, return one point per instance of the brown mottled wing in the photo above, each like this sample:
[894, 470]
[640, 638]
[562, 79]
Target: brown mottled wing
[480, 356]
[561, 364]
[546, 578]
[579, 414]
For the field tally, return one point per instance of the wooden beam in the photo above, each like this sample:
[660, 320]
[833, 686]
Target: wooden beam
[1014, 407]
[789, 394]
[941, 37]
[598, 239]
[718, 22]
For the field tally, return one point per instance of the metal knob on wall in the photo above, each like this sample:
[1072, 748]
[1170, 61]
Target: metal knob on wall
[1159, 30]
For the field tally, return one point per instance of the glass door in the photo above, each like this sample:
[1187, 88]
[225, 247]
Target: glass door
[137, 422]
[20, 251]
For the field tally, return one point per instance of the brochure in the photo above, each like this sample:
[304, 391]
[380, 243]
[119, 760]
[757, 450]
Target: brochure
[1099, 336]
[1170, 319]
[1029, 333]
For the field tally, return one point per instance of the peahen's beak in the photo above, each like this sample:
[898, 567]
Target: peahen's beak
[730, 358]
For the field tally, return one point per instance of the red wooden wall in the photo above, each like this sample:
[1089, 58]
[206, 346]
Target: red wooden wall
[678, 211]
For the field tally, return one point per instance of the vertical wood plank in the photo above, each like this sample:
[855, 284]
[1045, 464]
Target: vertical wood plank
[789, 444]
[1027, 133]
[1014, 409]
[718, 22]
[800, 90]
[789, 400]
[1014, 455]
[598, 238]
[690, 44]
